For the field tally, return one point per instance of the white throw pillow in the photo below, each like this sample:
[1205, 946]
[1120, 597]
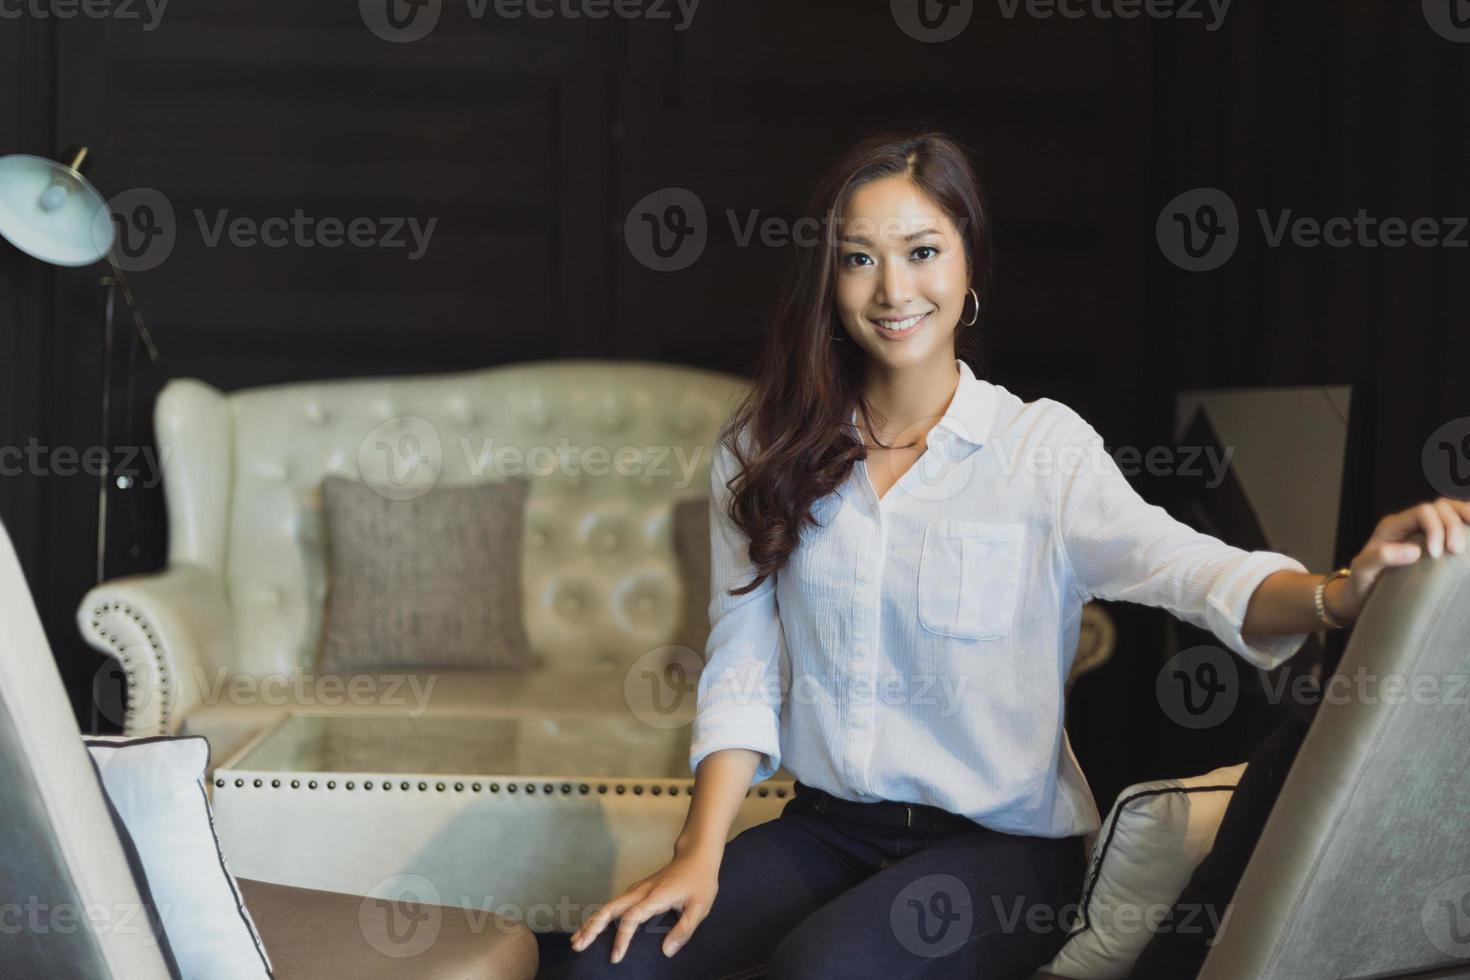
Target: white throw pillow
[156, 785]
[1148, 847]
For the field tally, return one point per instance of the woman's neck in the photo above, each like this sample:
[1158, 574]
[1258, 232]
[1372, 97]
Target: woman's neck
[907, 402]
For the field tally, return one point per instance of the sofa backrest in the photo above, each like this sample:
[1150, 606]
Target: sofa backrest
[1363, 866]
[72, 907]
[243, 472]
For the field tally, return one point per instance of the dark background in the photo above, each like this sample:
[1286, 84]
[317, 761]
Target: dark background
[529, 141]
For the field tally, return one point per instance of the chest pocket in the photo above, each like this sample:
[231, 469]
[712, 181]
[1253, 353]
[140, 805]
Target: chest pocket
[969, 578]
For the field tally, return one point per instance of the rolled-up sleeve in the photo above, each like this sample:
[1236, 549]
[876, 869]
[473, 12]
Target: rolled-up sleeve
[1119, 546]
[740, 687]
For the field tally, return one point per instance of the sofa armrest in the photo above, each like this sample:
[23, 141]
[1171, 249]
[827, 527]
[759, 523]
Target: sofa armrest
[169, 630]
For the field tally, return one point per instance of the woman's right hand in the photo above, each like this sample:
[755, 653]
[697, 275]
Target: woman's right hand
[688, 883]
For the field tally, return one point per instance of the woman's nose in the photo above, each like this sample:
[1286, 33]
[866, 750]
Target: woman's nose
[897, 286]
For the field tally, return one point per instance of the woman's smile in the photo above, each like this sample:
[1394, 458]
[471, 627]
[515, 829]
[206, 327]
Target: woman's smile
[895, 329]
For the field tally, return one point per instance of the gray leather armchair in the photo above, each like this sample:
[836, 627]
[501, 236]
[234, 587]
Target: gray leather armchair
[1363, 867]
[61, 853]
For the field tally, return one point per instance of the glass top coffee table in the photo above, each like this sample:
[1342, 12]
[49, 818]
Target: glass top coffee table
[544, 816]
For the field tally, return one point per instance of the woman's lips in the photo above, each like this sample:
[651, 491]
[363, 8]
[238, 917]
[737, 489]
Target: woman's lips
[908, 331]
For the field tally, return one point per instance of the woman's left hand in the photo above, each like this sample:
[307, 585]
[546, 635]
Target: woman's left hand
[1443, 524]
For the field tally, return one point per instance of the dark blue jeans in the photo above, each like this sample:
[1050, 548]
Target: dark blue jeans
[840, 890]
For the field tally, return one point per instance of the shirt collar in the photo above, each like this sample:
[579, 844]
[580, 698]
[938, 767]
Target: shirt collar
[971, 411]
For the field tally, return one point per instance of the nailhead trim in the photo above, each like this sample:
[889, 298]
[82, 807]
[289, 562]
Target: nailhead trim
[131, 725]
[549, 789]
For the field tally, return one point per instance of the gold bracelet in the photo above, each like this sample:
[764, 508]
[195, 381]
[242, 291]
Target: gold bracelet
[1317, 598]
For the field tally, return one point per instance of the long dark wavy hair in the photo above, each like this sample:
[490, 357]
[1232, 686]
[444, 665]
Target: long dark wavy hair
[797, 415]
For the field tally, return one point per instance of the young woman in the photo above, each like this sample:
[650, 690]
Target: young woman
[901, 553]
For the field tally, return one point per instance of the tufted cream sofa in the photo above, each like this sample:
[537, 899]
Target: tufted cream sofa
[245, 584]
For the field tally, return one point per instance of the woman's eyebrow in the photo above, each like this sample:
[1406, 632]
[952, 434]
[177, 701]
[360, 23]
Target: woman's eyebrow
[863, 240]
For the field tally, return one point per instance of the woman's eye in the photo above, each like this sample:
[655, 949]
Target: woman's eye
[847, 260]
[926, 248]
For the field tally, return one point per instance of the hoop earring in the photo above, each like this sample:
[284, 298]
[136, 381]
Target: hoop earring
[971, 322]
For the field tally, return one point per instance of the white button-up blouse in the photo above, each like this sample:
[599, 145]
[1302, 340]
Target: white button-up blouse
[916, 647]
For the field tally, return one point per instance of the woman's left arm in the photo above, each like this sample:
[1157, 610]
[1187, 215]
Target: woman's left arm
[1284, 602]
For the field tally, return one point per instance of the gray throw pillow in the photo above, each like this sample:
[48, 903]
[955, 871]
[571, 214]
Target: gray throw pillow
[691, 550]
[433, 581]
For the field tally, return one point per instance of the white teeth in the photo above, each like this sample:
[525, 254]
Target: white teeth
[897, 325]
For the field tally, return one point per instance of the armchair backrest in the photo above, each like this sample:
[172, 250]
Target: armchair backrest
[609, 447]
[62, 864]
[1363, 866]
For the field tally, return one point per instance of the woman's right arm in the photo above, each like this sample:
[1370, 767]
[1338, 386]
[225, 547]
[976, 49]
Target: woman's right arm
[689, 881]
[735, 742]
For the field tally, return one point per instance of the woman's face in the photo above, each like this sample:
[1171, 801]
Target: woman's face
[900, 257]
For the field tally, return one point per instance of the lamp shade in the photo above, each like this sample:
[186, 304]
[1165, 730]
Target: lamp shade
[48, 210]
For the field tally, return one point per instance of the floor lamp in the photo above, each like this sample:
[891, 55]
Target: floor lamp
[49, 211]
